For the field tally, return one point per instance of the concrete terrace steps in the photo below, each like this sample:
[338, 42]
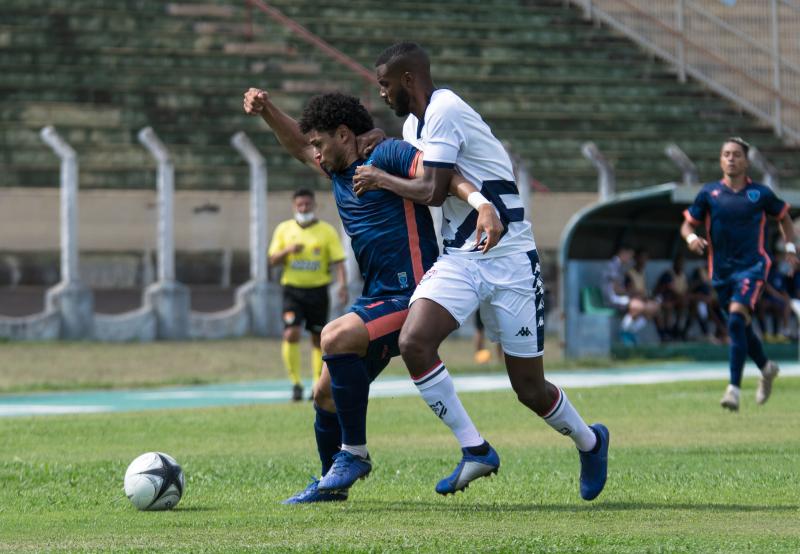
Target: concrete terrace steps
[541, 76]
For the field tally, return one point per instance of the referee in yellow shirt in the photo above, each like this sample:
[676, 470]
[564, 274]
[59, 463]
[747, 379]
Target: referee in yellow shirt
[307, 248]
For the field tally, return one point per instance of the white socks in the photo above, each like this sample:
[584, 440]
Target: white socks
[359, 450]
[565, 419]
[436, 388]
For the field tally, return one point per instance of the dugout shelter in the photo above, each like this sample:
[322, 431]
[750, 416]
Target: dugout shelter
[649, 218]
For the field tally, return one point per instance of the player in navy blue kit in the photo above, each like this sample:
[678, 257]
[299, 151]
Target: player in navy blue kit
[394, 244]
[734, 212]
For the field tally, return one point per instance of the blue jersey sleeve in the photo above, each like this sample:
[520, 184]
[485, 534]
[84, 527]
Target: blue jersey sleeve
[774, 206]
[396, 157]
[696, 213]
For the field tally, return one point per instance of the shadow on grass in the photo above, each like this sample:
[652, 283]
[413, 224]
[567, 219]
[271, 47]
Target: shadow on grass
[417, 506]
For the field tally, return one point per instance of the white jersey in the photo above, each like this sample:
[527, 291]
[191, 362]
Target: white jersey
[453, 135]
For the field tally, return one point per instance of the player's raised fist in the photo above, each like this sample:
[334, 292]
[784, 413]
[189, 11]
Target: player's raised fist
[255, 100]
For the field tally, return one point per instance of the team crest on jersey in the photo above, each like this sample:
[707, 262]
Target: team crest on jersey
[403, 278]
[753, 195]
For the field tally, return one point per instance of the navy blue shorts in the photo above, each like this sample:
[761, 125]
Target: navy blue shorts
[383, 316]
[743, 287]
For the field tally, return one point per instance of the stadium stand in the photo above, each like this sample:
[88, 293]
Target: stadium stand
[545, 79]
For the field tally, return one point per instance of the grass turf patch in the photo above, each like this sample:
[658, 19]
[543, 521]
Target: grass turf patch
[684, 477]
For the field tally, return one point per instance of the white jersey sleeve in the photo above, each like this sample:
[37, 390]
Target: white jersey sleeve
[452, 134]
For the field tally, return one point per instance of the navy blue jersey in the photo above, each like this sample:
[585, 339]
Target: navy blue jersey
[393, 239]
[735, 225]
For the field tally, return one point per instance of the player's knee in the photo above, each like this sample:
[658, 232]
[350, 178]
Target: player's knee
[328, 338]
[410, 343]
[338, 338]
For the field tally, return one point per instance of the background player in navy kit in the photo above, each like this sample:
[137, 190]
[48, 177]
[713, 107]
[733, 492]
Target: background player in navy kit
[394, 243]
[505, 283]
[734, 212]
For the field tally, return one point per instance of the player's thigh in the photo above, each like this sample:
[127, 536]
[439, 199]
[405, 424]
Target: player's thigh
[451, 284]
[514, 311]
[345, 335]
[292, 311]
[746, 292]
[383, 317]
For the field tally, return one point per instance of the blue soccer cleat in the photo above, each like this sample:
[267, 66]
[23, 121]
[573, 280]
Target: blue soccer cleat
[468, 469]
[594, 465]
[347, 468]
[312, 494]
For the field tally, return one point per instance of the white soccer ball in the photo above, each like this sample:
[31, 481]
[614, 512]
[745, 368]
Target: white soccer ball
[154, 481]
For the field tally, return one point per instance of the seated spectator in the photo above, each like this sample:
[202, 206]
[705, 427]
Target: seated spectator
[635, 310]
[704, 306]
[775, 303]
[672, 289]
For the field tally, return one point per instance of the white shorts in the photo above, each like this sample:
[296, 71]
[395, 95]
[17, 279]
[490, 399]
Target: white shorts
[508, 290]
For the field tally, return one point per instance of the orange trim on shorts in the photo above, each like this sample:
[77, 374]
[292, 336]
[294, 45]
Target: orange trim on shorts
[384, 325]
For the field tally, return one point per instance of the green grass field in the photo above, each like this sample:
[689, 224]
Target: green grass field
[47, 366]
[684, 477]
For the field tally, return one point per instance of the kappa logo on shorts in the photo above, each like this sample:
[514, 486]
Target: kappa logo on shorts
[402, 277]
[523, 332]
[439, 409]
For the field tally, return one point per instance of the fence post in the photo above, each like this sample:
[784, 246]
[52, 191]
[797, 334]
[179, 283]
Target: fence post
[776, 67]
[769, 171]
[606, 181]
[681, 45]
[254, 293]
[688, 169]
[169, 299]
[69, 297]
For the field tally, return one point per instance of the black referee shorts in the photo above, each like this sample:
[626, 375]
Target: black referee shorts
[309, 306]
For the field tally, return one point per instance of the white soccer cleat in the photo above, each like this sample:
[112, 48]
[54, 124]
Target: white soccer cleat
[730, 400]
[768, 375]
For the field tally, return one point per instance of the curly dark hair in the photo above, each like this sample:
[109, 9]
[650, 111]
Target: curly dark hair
[325, 112]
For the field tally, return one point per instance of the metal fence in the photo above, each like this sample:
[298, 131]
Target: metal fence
[745, 50]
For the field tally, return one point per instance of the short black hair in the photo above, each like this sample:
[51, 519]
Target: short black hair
[325, 112]
[740, 141]
[406, 51]
[303, 192]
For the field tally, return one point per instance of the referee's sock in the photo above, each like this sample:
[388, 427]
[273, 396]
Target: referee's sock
[290, 352]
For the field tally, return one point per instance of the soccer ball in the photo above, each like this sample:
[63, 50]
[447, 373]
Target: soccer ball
[154, 481]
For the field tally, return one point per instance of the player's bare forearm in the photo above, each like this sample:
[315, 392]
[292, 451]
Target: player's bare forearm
[787, 229]
[430, 189]
[285, 128]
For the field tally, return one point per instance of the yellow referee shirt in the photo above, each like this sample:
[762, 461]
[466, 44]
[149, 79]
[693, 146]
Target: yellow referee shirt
[311, 266]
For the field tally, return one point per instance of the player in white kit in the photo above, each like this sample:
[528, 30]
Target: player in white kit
[504, 283]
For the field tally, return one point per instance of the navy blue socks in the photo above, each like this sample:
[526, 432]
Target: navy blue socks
[350, 388]
[737, 330]
[329, 436]
[754, 348]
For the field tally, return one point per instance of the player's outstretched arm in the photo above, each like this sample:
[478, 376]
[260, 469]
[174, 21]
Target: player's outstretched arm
[286, 129]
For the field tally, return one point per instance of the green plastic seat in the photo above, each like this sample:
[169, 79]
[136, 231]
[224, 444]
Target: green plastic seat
[592, 302]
